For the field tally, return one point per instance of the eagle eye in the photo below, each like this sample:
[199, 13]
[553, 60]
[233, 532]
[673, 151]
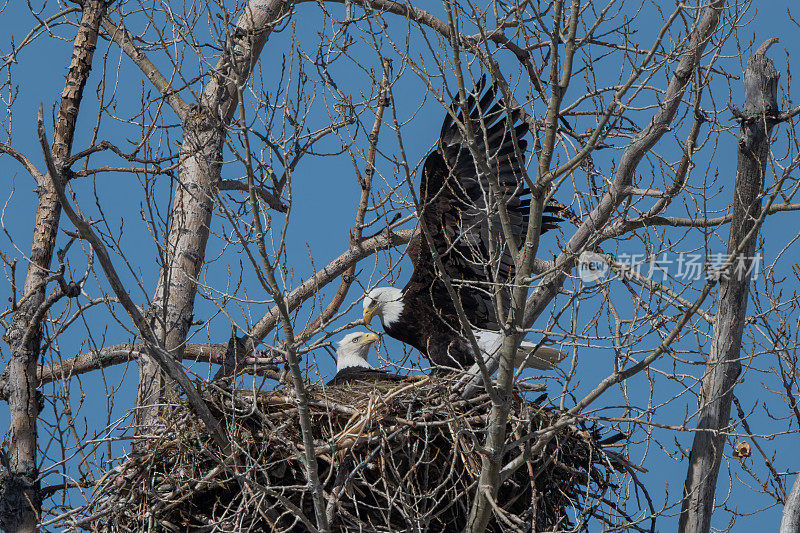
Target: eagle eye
[355, 339]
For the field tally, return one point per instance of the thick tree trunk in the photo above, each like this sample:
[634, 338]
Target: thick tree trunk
[173, 305]
[199, 175]
[20, 503]
[492, 461]
[723, 366]
[642, 143]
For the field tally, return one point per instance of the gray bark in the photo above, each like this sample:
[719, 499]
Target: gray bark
[172, 310]
[199, 176]
[153, 349]
[790, 523]
[173, 305]
[20, 499]
[723, 366]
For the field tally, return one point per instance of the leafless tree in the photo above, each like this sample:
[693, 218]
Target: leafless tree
[223, 149]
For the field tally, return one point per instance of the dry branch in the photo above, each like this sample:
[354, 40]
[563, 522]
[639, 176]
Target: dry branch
[331, 271]
[724, 366]
[125, 40]
[262, 363]
[363, 203]
[20, 502]
[392, 457]
[155, 350]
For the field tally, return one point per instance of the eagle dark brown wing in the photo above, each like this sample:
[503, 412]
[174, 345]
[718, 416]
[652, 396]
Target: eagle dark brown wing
[358, 374]
[460, 210]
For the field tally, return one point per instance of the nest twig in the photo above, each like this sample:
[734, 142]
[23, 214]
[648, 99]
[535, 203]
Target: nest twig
[392, 457]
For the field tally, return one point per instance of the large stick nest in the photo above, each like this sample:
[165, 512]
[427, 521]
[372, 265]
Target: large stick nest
[391, 457]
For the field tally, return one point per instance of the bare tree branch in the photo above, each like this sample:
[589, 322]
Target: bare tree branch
[124, 39]
[152, 345]
[21, 502]
[270, 199]
[723, 367]
[330, 272]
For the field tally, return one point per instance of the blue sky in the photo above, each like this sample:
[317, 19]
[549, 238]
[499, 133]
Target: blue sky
[325, 195]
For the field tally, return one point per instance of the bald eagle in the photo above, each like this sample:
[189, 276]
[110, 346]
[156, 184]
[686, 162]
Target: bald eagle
[459, 209]
[351, 361]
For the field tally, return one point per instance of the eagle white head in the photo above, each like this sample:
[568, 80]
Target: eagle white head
[385, 302]
[353, 350]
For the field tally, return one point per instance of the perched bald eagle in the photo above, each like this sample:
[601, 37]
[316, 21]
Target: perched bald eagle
[351, 361]
[459, 208]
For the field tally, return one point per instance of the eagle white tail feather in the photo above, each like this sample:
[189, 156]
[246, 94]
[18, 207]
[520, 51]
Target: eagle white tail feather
[543, 358]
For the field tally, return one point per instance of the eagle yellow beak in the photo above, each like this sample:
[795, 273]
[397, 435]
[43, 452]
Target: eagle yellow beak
[369, 314]
[369, 338]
